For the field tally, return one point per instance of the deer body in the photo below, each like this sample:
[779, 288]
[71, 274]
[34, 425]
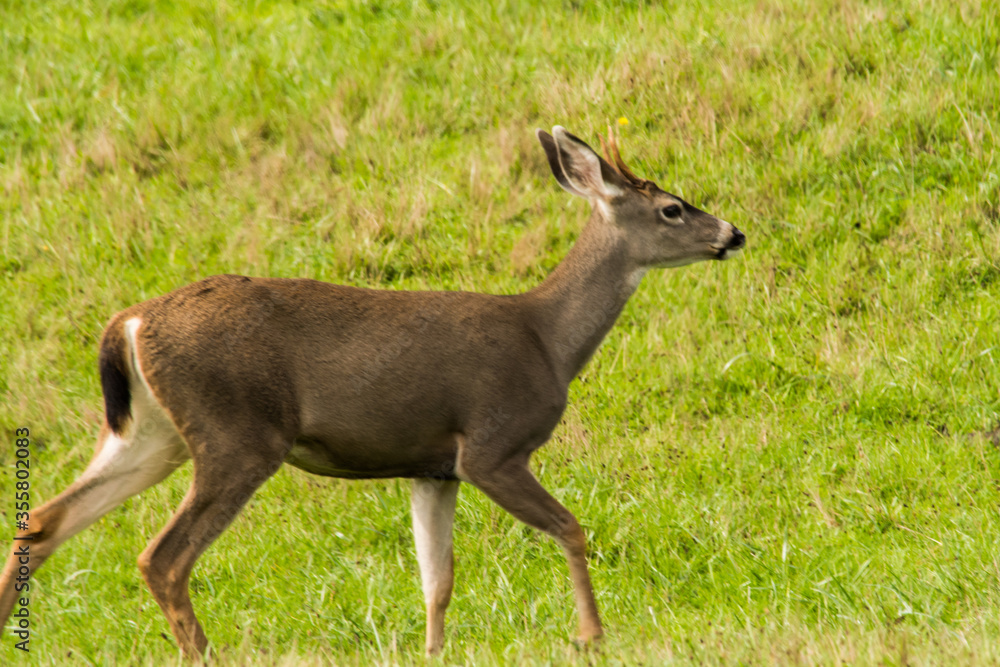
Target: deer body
[243, 374]
[354, 382]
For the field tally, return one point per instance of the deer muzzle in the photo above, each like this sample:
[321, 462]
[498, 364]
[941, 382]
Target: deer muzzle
[731, 246]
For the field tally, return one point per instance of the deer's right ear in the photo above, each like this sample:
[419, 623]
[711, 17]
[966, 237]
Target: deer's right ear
[552, 153]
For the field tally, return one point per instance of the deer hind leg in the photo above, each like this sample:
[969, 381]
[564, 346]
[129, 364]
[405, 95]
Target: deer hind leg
[433, 513]
[226, 474]
[146, 453]
[512, 486]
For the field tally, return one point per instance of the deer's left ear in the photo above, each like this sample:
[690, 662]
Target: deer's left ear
[552, 153]
[584, 169]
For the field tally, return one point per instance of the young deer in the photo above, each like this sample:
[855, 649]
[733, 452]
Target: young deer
[243, 374]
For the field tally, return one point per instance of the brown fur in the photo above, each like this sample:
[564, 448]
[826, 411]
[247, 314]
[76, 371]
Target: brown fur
[359, 383]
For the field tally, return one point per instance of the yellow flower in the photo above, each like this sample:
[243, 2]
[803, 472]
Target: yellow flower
[623, 121]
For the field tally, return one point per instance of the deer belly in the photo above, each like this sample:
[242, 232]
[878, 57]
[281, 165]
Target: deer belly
[361, 461]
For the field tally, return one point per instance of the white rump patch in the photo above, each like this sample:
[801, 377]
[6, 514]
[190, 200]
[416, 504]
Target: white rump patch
[149, 449]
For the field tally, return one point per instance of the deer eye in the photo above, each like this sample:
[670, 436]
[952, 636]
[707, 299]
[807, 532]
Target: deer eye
[671, 212]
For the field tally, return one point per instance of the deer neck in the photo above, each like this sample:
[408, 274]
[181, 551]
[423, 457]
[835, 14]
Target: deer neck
[579, 302]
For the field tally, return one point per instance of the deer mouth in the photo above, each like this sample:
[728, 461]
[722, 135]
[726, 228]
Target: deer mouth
[727, 253]
[733, 247]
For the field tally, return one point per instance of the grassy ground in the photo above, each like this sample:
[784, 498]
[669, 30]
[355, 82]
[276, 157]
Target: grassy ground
[778, 459]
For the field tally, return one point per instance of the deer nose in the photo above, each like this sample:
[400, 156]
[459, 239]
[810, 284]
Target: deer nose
[738, 240]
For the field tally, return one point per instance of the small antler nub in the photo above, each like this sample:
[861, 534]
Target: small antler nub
[611, 154]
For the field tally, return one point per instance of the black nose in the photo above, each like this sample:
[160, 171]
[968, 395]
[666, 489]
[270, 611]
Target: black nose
[738, 241]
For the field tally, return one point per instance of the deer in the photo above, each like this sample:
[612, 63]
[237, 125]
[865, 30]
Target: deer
[243, 374]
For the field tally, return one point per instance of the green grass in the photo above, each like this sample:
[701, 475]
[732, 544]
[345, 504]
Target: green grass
[775, 458]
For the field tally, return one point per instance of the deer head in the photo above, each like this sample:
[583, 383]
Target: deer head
[658, 229]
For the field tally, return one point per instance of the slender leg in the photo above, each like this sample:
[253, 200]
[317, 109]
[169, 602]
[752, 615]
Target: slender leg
[219, 490]
[513, 487]
[122, 467]
[433, 512]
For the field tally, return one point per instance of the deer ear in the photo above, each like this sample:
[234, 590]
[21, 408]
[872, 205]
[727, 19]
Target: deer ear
[586, 173]
[552, 153]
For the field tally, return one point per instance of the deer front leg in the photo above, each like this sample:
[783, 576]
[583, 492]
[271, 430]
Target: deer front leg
[512, 486]
[433, 511]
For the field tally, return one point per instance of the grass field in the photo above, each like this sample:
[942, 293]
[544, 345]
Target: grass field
[785, 458]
